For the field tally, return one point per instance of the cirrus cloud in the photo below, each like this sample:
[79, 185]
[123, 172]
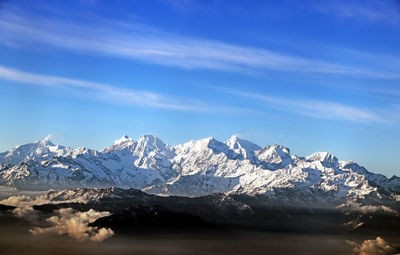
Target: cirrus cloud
[112, 37]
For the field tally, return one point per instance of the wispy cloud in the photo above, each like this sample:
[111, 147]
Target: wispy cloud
[111, 93]
[139, 42]
[179, 4]
[371, 11]
[312, 108]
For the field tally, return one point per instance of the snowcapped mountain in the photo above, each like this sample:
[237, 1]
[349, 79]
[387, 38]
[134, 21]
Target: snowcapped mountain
[42, 149]
[198, 167]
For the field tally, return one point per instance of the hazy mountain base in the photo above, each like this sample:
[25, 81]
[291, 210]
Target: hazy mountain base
[214, 224]
[231, 211]
[20, 241]
[15, 239]
[151, 218]
[135, 211]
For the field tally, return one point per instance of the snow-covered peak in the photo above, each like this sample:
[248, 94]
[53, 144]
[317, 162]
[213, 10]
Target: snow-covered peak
[46, 141]
[324, 157]
[203, 141]
[201, 145]
[150, 143]
[274, 154]
[216, 145]
[241, 146]
[232, 141]
[41, 149]
[83, 150]
[123, 139]
[123, 143]
[197, 167]
[120, 144]
[235, 143]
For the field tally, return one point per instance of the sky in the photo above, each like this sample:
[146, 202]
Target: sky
[309, 75]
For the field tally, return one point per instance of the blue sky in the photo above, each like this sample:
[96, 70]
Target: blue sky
[310, 75]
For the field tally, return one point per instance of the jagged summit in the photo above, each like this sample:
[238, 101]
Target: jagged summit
[149, 143]
[120, 144]
[235, 142]
[123, 139]
[242, 147]
[151, 140]
[42, 148]
[275, 154]
[324, 157]
[46, 141]
[197, 145]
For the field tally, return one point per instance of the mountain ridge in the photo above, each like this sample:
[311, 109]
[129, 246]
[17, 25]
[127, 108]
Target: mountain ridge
[198, 167]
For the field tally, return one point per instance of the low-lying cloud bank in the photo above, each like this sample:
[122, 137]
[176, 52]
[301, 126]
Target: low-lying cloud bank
[377, 246]
[354, 206]
[76, 225]
[25, 205]
[66, 222]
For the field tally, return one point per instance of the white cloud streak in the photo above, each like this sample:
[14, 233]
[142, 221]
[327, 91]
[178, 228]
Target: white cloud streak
[137, 42]
[371, 11]
[312, 108]
[114, 94]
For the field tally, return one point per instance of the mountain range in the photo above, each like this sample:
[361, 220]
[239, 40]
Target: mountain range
[197, 168]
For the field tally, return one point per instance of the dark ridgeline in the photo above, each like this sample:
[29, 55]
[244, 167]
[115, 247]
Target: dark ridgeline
[134, 211]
